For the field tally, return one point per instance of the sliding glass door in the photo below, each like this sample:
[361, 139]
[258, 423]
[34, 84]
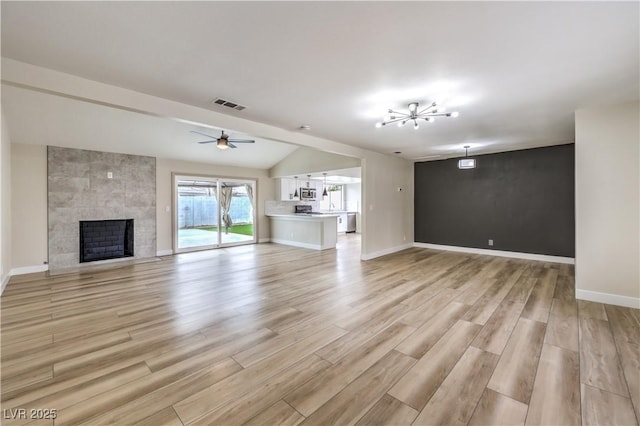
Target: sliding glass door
[213, 212]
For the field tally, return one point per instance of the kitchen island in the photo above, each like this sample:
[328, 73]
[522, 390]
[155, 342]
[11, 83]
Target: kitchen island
[312, 231]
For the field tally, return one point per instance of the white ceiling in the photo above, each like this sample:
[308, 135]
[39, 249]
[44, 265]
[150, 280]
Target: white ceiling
[516, 71]
[44, 119]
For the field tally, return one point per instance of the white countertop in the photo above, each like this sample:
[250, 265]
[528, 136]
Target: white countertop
[304, 215]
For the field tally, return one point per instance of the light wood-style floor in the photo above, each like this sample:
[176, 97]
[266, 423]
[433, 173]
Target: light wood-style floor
[268, 334]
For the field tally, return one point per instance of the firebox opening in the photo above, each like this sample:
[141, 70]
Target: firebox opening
[105, 239]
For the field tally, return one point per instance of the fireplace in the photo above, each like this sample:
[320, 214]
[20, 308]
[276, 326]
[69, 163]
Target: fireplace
[105, 239]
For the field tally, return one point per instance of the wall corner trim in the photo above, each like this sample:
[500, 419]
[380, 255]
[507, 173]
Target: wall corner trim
[29, 269]
[499, 253]
[3, 283]
[164, 252]
[264, 240]
[380, 253]
[608, 298]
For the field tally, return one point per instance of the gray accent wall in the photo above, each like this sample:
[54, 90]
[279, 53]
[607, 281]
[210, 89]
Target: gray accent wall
[79, 189]
[522, 200]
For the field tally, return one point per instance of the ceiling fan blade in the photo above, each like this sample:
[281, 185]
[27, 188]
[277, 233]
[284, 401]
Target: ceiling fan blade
[207, 141]
[230, 145]
[241, 141]
[203, 134]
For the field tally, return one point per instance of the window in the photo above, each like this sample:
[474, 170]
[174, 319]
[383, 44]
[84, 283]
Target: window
[334, 199]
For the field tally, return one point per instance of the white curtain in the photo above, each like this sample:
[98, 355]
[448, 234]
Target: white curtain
[249, 189]
[226, 193]
[211, 191]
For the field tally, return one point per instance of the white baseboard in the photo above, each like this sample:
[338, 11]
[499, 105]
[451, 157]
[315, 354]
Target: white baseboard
[164, 252]
[264, 240]
[29, 269]
[3, 283]
[296, 244]
[500, 253]
[608, 298]
[369, 256]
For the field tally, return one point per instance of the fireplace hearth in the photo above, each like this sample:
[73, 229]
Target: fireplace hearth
[105, 239]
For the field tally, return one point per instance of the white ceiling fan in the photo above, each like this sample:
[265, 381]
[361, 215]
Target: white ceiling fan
[223, 142]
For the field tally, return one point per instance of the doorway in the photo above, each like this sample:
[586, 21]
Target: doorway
[212, 212]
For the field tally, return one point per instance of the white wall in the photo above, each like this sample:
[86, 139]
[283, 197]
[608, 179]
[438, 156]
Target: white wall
[353, 197]
[29, 208]
[308, 160]
[5, 204]
[387, 214]
[607, 204]
[386, 219]
[164, 169]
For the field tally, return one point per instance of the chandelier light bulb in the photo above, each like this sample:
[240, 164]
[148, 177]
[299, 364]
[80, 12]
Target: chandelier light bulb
[400, 123]
[378, 125]
[455, 114]
[415, 125]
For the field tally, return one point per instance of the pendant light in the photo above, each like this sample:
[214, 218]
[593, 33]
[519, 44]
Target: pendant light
[466, 162]
[324, 187]
[295, 194]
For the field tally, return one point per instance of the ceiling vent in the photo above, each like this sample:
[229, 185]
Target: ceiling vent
[228, 104]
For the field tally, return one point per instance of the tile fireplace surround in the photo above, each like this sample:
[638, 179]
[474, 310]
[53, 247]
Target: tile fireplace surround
[91, 185]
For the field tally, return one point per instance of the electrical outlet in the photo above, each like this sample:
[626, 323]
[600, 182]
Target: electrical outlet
[491, 242]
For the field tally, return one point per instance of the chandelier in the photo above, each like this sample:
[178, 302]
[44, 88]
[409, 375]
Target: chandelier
[428, 114]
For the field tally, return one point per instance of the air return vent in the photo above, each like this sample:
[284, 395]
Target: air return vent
[228, 104]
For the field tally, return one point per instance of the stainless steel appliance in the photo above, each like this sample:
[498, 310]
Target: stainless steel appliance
[307, 193]
[302, 209]
[351, 222]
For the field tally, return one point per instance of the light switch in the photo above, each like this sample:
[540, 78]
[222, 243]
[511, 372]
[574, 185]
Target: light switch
[167, 209]
[109, 175]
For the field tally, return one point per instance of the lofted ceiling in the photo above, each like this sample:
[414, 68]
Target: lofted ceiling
[515, 71]
[44, 119]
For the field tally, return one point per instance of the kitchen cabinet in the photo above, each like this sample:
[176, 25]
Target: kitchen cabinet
[317, 232]
[287, 189]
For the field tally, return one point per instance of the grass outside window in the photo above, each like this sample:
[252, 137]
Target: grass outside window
[243, 229]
